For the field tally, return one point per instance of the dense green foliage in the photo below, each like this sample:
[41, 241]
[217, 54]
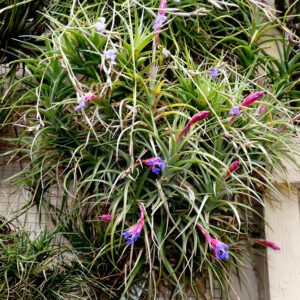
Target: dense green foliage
[141, 104]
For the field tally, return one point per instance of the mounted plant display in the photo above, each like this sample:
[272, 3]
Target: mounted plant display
[162, 151]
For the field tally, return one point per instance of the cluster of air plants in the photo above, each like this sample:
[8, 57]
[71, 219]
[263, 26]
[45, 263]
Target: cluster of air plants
[20, 23]
[161, 148]
[25, 264]
[16, 21]
[33, 267]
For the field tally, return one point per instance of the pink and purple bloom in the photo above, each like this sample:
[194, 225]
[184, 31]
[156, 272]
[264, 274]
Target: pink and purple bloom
[290, 121]
[156, 164]
[100, 25]
[161, 18]
[218, 246]
[110, 54]
[134, 232]
[196, 118]
[232, 168]
[82, 100]
[249, 100]
[214, 73]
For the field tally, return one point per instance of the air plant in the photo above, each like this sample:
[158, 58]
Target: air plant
[130, 152]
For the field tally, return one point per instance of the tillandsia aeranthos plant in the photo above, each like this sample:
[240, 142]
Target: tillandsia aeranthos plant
[38, 264]
[160, 155]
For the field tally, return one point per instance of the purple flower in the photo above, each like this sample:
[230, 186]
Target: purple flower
[177, 1]
[235, 110]
[153, 163]
[134, 232]
[165, 52]
[214, 73]
[218, 246]
[81, 103]
[219, 249]
[100, 26]
[160, 19]
[111, 54]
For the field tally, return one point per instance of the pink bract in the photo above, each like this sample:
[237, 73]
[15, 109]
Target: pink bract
[252, 98]
[269, 244]
[232, 168]
[196, 118]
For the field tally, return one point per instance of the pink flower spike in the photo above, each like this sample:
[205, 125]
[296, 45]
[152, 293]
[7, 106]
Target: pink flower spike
[261, 109]
[134, 232]
[294, 119]
[160, 19]
[290, 121]
[249, 100]
[253, 97]
[269, 244]
[282, 128]
[162, 6]
[89, 97]
[202, 230]
[196, 118]
[218, 246]
[232, 168]
[108, 218]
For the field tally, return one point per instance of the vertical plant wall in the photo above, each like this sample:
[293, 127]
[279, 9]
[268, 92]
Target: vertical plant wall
[161, 123]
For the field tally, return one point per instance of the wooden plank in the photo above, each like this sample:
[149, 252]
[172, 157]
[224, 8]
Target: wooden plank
[284, 266]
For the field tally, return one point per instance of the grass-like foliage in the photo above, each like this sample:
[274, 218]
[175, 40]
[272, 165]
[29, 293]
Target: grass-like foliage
[38, 269]
[153, 146]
